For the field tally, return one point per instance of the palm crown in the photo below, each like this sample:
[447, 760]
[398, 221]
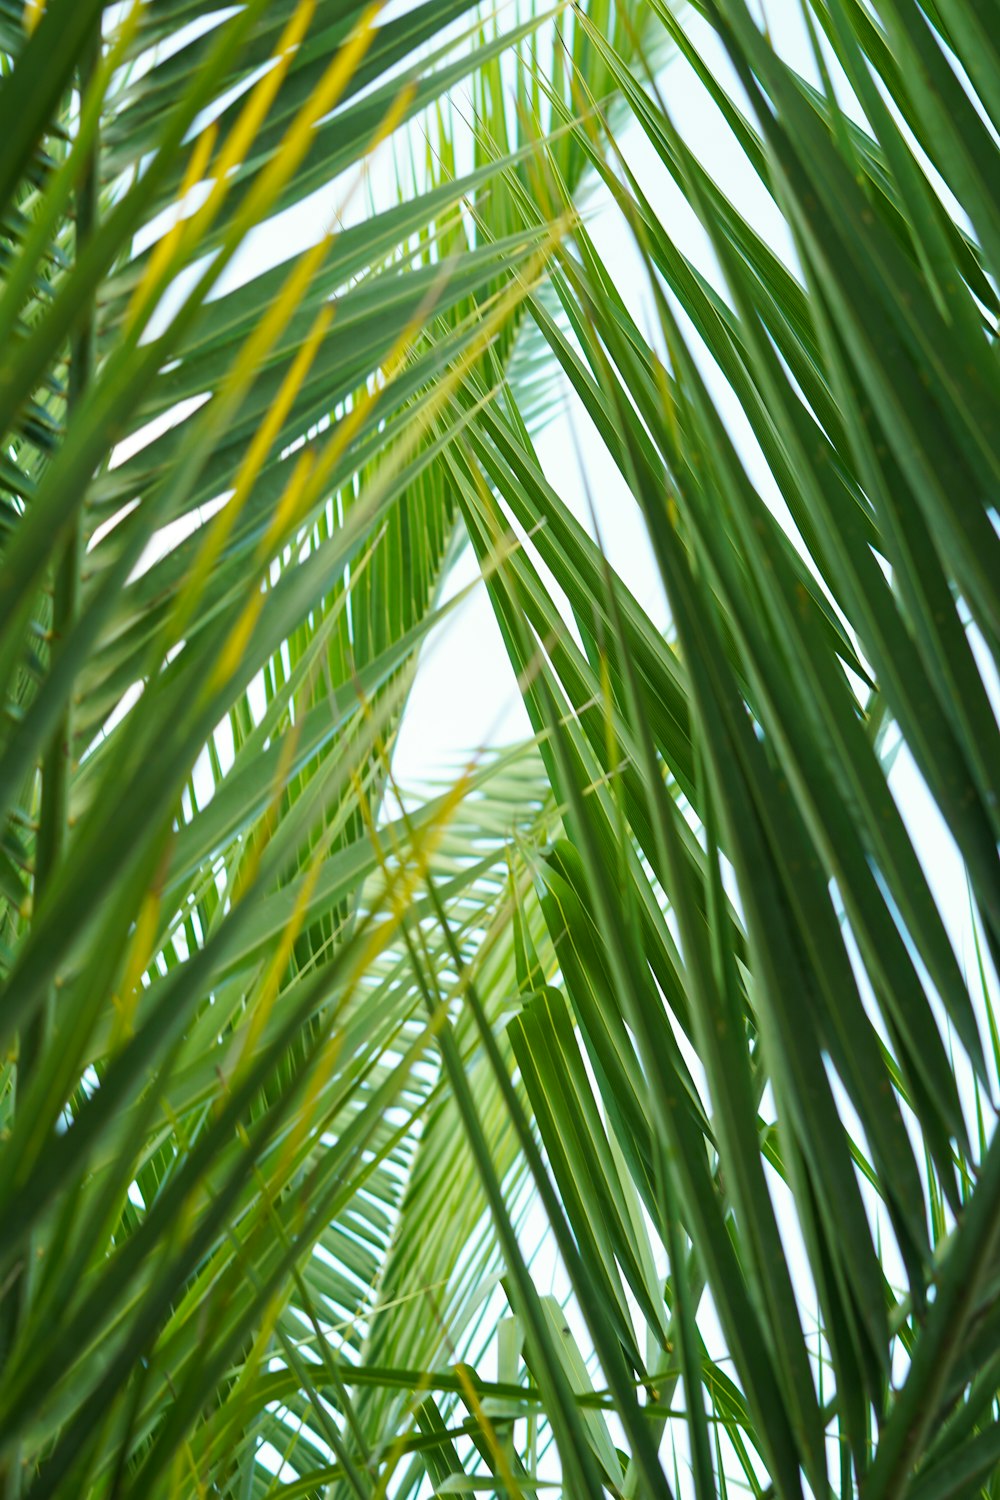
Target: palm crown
[301, 1068]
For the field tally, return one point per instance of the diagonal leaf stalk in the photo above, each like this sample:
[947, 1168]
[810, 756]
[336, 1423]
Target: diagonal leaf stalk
[57, 761]
[632, 1415]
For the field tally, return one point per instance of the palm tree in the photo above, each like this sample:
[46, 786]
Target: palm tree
[617, 1116]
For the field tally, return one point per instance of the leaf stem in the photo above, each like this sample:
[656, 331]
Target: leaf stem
[53, 819]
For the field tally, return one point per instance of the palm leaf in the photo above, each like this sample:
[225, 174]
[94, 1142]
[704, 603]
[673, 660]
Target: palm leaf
[312, 1084]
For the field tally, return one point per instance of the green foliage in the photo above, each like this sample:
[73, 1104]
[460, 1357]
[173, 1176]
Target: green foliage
[312, 1086]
